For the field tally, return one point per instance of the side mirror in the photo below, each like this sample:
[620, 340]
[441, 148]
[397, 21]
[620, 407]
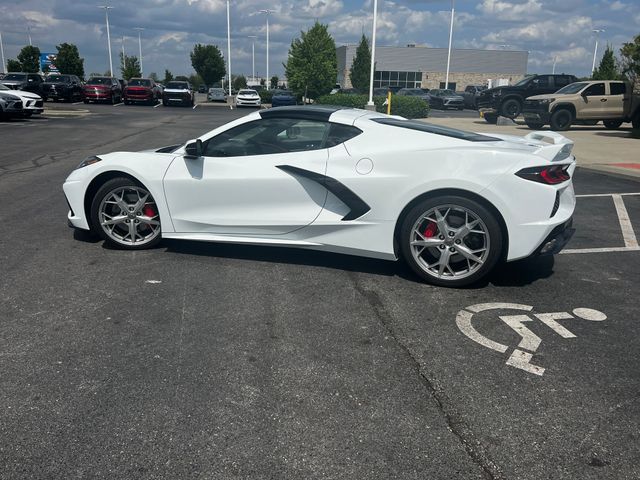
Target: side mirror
[194, 149]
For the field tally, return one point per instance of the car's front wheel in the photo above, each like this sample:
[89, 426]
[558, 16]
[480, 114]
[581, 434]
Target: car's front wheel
[451, 240]
[612, 124]
[561, 119]
[125, 215]
[534, 125]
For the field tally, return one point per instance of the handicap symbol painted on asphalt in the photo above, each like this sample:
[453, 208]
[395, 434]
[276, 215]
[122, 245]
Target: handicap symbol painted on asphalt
[522, 355]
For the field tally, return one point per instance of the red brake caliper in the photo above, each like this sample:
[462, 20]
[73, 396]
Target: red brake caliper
[149, 211]
[431, 230]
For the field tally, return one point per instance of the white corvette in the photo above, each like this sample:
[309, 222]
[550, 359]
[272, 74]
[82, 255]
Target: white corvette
[452, 204]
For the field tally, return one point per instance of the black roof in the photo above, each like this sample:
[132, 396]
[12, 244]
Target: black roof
[307, 112]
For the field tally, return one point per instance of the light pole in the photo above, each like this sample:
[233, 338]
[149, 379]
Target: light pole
[267, 13]
[123, 55]
[4, 68]
[106, 13]
[29, 35]
[140, 29]
[253, 57]
[553, 70]
[370, 104]
[229, 49]
[595, 50]
[453, 11]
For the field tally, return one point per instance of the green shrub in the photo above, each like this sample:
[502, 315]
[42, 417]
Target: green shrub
[408, 107]
[265, 96]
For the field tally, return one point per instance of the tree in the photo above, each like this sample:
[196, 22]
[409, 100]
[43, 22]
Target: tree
[607, 70]
[153, 76]
[14, 65]
[68, 60]
[274, 81]
[207, 61]
[630, 53]
[129, 66]
[312, 65]
[263, 83]
[29, 58]
[360, 71]
[182, 78]
[239, 82]
[168, 76]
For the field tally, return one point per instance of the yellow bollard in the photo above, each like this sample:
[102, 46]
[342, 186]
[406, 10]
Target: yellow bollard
[389, 102]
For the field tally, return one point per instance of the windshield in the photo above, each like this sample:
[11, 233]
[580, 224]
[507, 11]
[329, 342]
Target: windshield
[216, 90]
[447, 92]
[522, 82]
[139, 82]
[16, 76]
[99, 81]
[573, 87]
[3, 87]
[177, 85]
[247, 92]
[57, 78]
[283, 93]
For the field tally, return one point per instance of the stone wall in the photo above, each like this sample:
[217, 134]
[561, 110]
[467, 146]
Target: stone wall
[432, 79]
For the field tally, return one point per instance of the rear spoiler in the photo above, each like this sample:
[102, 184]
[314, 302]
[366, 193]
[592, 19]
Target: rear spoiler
[559, 147]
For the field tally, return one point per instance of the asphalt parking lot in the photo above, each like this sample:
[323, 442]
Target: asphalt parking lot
[198, 360]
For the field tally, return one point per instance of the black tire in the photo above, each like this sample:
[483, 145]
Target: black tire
[511, 108]
[86, 101]
[534, 125]
[635, 123]
[561, 120]
[104, 192]
[612, 124]
[27, 114]
[456, 209]
[491, 118]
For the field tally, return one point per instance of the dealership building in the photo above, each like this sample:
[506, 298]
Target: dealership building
[424, 67]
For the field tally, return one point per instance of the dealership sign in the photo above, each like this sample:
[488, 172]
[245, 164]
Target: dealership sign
[47, 62]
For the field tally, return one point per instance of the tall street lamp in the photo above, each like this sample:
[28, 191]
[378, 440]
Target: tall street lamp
[595, 50]
[106, 13]
[140, 29]
[267, 13]
[4, 67]
[453, 11]
[229, 49]
[370, 104]
[253, 56]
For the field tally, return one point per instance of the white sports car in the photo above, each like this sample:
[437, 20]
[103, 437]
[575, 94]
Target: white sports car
[32, 103]
[451, 203]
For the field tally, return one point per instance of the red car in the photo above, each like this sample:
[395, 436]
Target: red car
[102, 89]
[143, 90]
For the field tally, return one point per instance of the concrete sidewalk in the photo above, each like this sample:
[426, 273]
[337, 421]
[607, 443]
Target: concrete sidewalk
[597, 148]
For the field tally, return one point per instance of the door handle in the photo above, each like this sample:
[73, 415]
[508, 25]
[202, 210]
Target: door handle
[603, 99]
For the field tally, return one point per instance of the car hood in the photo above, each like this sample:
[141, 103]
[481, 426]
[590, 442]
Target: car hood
[56, 83]
[23, 95]
[543, 97]
[99, 87]
[176, 90]
[452, 97]
[13, 83]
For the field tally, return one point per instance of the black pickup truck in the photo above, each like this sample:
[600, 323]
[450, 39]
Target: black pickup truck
[508, 100]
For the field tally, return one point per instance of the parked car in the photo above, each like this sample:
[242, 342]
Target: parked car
[217, 95]
[248, 98]
[283, 98]
[508, 100]
[102, 89]
[141, 90]
[27, 82]
[612, 102]
[31, 103]
[10, 104]
[414, 92]
[470, 95]
[178, 92]
[202, 88]
[262, 179]
[62, 87]
[443, 99]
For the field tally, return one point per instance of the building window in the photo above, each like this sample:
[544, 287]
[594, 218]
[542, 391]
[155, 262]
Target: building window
[452, 85]
[397, 79]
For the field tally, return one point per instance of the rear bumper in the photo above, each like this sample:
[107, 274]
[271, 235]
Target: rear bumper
[557, 239]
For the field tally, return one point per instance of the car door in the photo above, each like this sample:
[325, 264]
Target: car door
[617, 96]
[254, 179]
[34, 83]
[595, 101]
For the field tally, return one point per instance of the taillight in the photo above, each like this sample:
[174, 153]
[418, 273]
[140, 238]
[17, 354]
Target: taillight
[551, 175]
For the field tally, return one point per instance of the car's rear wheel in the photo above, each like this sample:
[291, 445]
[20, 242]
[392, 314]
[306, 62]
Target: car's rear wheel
[561, 119]
[534, 125]
[125, 215]
[612, 124]
[451, 240]
[491, 118]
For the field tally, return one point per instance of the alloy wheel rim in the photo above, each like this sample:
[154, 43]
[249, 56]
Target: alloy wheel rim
[450, 242]
[129, 216]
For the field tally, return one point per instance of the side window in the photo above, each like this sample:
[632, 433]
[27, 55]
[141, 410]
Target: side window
[618, 88]
[34, 78]
[541, 82]
[469, 89]
[595, 89]
[268, 136]
[339, 133]
[562, 80]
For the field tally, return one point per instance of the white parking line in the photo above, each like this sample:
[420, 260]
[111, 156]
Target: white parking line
[157, 105]
[117, 104]
[77, 103]
[195, 106]
[629, 236]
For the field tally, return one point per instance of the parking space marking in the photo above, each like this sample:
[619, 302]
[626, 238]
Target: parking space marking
[117, 104]
[522, 355]
[195, 106]
[628, 234]
[77, 103]
[157, 105]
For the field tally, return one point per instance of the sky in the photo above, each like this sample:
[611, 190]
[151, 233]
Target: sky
[548, 29]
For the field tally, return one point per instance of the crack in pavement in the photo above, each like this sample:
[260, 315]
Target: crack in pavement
[472, 446]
